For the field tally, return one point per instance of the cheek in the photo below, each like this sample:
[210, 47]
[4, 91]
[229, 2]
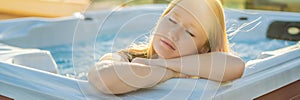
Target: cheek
[154, 41]
[162, 27]
[156, 44]
[159, 29]
[188, 47]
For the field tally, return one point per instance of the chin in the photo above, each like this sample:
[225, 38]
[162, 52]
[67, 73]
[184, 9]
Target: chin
[163, 53]
[167, 54]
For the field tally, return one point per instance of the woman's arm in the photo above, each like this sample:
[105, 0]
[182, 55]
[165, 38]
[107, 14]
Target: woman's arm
[114, 74]
[216, 66]
[113, 77]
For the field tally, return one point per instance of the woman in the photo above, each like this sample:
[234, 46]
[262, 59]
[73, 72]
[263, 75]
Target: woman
[188, 41]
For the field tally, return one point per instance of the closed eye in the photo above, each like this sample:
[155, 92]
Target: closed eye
[173, 21]
[190, 33]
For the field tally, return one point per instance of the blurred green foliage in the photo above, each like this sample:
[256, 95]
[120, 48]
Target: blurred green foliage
[275, 5]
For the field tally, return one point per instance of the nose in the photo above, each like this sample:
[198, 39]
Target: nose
[175, 32]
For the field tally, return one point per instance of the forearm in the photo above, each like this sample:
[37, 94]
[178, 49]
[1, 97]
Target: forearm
[215, 66]
[123, 77]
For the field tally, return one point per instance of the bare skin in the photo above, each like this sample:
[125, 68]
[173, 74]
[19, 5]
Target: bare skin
[106, 79]
[177, 41]
[216, 66]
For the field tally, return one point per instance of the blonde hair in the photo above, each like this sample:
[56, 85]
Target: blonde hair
[217, 39]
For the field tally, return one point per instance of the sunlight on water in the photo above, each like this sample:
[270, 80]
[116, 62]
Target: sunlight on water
[84, 55]
[250, 51]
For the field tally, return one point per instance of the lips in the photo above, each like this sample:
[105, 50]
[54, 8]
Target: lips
[168, 44]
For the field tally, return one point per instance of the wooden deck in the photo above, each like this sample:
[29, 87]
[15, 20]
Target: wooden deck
[5, 98]
[288, 92]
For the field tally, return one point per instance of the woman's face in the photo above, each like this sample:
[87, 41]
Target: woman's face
[178, 34]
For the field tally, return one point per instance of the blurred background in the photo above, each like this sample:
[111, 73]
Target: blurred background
[57, 8]
[275, 5]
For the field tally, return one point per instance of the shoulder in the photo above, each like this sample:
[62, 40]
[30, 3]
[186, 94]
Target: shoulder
[114, 57]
